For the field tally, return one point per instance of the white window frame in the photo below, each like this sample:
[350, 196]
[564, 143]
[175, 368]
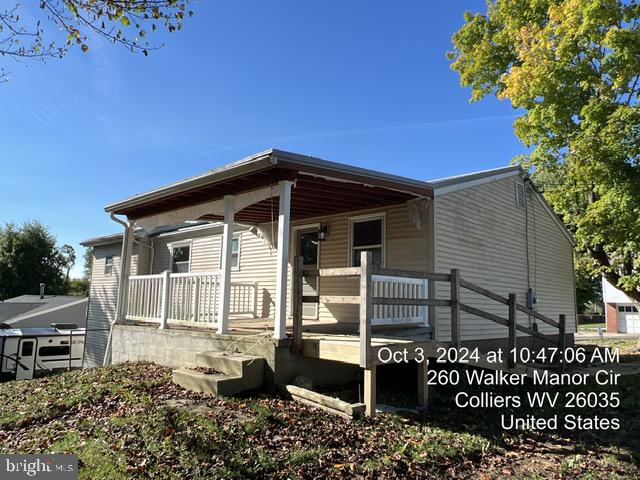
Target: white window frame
[236, 236]
[184, 243]
[107, 264]
[363, 218]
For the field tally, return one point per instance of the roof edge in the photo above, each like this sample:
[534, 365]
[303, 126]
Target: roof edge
[440, 183]
[252, 162]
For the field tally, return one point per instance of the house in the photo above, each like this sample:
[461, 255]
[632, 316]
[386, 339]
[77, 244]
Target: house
[620, 312]
[317, 267]
[40, 311]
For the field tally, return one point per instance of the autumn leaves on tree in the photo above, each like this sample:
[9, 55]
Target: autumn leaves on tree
[572, 67]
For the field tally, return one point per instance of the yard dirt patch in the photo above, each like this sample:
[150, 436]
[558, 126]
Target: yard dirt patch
[131, 422]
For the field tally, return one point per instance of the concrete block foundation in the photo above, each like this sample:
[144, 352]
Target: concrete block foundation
[177, 348]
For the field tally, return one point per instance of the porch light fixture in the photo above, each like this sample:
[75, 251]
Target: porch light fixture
[322, 232]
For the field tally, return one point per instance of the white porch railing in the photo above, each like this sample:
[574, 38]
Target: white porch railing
[399, 287]
[191, 298]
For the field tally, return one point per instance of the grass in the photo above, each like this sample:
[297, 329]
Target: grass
[123, 423]
[592, 327]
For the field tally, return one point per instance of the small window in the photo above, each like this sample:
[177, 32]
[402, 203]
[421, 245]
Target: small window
[54, 351]
[235, 254]
[108, 265]
[621, 308]
[367, 235]
[521, 199]
[180, 256]
[27, 349]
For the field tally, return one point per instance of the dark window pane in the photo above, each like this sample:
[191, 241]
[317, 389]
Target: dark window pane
[367, 233]
[27, 349]
[621, 308]
[53, 351]
[181, 254]
[309, 248]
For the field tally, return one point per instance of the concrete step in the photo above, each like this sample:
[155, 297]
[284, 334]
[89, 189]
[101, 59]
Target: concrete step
[213, 383]
[235, 373]
[249, 367]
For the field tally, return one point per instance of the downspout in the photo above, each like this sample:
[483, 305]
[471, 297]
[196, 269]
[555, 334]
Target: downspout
[119, 300]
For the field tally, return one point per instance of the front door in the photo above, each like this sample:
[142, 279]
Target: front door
[308, 246]
[26, 358]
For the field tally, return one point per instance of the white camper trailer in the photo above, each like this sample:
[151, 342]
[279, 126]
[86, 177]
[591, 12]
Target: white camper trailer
[25, 352]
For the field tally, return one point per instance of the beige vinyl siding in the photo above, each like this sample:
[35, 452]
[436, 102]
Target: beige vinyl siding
[481, 231]
[257, 260]
[103, 297]
[405, 247]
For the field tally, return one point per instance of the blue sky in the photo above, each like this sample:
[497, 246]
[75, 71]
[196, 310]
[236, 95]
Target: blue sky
[362, 82]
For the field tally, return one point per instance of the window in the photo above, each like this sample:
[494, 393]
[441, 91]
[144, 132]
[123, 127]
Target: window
[180, 257]
[54, 351]
[108, 265]
[521, 201]
[27, 349]
[627, 308]
[367, 235]
[235, 253]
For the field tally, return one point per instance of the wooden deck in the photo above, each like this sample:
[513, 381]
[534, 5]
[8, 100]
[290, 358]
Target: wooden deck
[345, 347]
[340, 342]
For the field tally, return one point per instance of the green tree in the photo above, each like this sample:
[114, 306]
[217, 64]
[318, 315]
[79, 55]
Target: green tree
[573, 68]
[88, 263]
[29, 256]
[588, 289]
[68, 254]
[78, 287]
[51, 30]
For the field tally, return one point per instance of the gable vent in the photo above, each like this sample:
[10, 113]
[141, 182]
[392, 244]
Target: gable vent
[521, 200]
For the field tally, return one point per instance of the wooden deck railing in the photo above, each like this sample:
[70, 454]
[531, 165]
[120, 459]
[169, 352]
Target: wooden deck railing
[369, 298]
[186, 298]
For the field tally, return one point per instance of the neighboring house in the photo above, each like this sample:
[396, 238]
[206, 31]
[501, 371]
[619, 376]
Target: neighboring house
[621, 313]
[34, 311]
[231, 274]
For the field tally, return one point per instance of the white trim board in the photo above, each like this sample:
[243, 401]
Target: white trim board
[473, 182]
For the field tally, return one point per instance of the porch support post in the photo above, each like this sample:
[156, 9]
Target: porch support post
[165, 305]
[284, 223]
[125, 268]
[225, 278]
[370, 391]
[423, 386]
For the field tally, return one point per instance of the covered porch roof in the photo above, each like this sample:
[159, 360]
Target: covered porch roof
[321, 188]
